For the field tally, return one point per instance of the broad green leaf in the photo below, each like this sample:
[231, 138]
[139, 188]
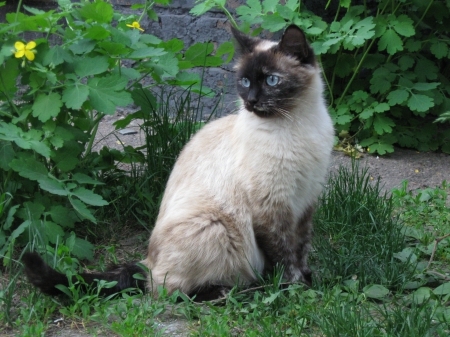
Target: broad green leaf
[97, 32]
[28, 167]
[381, 107]
[421, 295]
[398, 96]
[89, 197]
[420, 103]
[407, 254]
[81, 208]
[67, 157]
[56, 55]
[406, 62]
[63, 216]
[47, 106]
[271, 298]
[375, 291]
[226, 48]
[425, 86]
[87, 66]
[107, 93]
[83, 249]
[147, 52]
[53, 231]
[404, 26]
[114, 48]
[99, 11]
[443, 289]
[10, 217]
[391, 42]
[83, 46]
[269, 5]
[383, 124]
[75, 95]
[53, 186]
[202, 7]
[26, 140]
[6, 155]
[85, 179]
[8, 77]
[288, 14]
[439, 48]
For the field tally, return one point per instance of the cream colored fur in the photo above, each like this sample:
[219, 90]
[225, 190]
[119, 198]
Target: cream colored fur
[228, 181]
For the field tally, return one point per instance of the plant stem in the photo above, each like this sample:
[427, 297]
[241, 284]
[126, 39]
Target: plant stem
[93, 133]
[356, 72]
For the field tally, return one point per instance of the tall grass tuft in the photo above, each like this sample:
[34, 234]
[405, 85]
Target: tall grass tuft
[356, 235]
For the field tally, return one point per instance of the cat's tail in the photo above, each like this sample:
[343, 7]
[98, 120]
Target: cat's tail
[41, 275]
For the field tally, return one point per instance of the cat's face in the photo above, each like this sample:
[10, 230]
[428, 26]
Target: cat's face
[271, 77]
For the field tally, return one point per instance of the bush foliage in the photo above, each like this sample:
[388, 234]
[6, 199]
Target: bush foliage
[386, 65]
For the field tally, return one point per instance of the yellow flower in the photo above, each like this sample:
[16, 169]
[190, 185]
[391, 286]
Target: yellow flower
[135, 25]
[25, 50]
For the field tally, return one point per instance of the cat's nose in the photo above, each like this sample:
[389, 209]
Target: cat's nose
[252, 97]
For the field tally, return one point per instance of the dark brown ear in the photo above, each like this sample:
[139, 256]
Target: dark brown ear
[294, 43]
[244, 44]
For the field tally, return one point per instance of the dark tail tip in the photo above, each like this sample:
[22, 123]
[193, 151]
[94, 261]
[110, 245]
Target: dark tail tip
[41, 275]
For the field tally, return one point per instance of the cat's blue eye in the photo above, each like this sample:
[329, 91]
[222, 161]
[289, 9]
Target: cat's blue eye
[272, 80]
[245, 82]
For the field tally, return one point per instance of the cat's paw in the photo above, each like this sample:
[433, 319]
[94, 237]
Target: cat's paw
[294, 274]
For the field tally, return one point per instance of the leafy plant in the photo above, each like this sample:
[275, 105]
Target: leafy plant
[54, 92]
[386, 65]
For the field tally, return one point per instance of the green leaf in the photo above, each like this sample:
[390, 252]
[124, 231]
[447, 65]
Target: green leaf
[87, 66]
[98, 11]
[75, 95]
[66, 158]
[47, 106]
[97, 32]
[381, 107]
[63, 216]
[202, 7]
[83, 46]
[420, 103]
[56, 55]
[273, 22]
[383, 124]
[226, 48]
[28, 167]
[425, 86]
[26, 140]
[391, 42]
[147, 52]
[404, 26]
[83, 249]
[81, 208]
[6, 155]
[53, 186]
[398, 96]
[421, 295]
[443, 289]
[89, 197]
[85, 179]
[406, 62]
[439, 48]
[375, 291]
[53, 231]
[107, 93]
[9, 71]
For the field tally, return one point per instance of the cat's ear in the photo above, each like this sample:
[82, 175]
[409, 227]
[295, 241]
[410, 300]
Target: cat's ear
[294, 43]
[244, 44]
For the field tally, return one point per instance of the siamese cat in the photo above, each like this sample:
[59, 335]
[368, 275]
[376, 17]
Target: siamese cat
[241, 195]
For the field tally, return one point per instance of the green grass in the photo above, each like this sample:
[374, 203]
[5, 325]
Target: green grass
[373, 276]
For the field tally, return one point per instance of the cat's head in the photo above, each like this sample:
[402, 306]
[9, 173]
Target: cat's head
[272, 77]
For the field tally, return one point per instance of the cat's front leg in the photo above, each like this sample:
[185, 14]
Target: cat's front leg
[287, 243]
